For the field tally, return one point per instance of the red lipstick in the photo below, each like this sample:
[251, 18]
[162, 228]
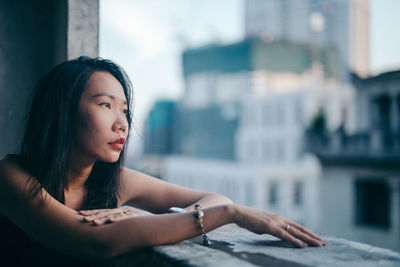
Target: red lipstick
[118, 144]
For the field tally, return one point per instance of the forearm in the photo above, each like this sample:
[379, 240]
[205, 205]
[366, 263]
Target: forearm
[209, 201]
[154, 230]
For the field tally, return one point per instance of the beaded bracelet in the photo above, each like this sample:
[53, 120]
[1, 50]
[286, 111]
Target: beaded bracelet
[198, 215]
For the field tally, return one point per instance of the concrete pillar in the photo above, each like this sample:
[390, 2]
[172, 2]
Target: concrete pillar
[35, 36]
[83, 28]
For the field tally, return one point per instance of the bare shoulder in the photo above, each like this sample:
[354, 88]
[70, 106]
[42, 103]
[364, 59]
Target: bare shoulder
[11, 173]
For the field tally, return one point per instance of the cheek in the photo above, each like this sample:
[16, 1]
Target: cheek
[91, 127]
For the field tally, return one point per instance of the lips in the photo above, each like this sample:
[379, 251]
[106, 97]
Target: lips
[118, 144]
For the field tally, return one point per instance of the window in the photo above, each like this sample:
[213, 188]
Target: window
[249, 193]
[372, 203]
[273, 193]
[298, 189]
[251, 150]
[266, 151]
[280, 150]
[266, 115]
[299, 112]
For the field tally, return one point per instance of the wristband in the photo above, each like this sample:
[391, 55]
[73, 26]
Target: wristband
[198, 215]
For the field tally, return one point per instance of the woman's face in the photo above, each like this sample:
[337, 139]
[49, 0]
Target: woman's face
[102, 125]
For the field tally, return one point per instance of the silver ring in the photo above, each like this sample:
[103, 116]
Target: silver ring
[287, 227]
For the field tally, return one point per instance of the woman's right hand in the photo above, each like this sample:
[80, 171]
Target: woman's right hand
[261, 222]
[103, 216]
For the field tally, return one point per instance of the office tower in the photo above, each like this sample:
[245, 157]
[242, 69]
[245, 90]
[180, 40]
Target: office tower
[345, 25]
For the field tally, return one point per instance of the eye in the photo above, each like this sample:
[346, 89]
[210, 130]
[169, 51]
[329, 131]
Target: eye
[125, 111]
[107, 105]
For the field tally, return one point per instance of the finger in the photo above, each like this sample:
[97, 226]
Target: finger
[87, 219]
[112, 216]
[305, 230]
[284, 235]
[91, 212]
[118, 217]
[304, 237]
[103, 214]
[99, 221]
[124, 215]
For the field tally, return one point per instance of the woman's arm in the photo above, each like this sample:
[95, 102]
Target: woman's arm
[157, 196]
[61, 228]
[152, 194]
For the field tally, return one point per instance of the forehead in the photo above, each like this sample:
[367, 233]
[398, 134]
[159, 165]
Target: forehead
[104, 83]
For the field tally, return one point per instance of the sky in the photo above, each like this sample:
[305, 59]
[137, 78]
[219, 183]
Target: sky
[147, 38]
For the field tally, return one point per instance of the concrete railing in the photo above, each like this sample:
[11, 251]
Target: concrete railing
[234, 246]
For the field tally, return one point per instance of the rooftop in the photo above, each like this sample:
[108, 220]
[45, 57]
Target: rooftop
[234, 246]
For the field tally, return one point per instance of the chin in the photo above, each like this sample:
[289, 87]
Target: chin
[110, 158]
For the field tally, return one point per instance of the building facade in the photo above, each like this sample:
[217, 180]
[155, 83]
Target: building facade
[360, 180]
[270, 171]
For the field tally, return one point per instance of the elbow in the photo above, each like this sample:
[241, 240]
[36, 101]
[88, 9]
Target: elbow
[107, 243]
[103, 252]
[99, 249]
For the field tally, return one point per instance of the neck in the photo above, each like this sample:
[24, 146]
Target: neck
[78, 173]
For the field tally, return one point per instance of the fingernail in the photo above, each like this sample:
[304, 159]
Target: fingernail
[96, 221]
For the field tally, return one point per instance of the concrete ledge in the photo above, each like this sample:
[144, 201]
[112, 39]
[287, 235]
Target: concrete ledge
[233, 246]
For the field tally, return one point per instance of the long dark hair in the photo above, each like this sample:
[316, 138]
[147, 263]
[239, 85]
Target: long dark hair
[49, 138]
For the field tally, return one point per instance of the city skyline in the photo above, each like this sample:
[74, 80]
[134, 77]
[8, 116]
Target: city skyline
[152, 35]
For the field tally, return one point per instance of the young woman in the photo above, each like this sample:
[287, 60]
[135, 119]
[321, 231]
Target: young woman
[71, 160]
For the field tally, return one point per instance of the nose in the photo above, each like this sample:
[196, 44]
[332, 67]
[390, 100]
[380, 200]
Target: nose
[121, 124]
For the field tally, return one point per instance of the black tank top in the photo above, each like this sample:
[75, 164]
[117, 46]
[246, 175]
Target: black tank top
[19, 249]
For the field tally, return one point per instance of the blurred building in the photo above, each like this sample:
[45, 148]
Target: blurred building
[340, 23]
[272, 126]
[160, 127]
[218, 74]
[360, 181]
[207, 132]
[242, 117]
[217, 77]
[271, 172]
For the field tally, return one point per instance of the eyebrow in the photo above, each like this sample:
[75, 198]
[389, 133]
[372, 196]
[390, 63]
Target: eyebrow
[108, 95]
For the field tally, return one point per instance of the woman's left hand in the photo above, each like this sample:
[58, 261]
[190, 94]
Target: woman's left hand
[103, 216]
